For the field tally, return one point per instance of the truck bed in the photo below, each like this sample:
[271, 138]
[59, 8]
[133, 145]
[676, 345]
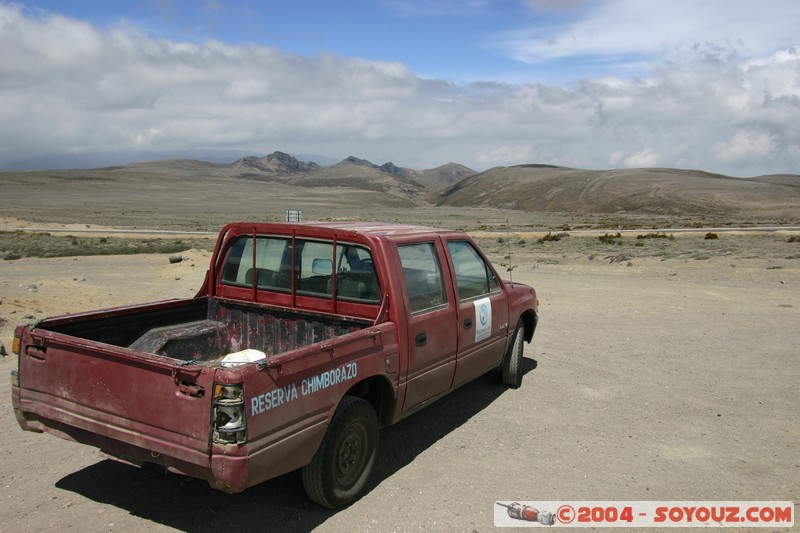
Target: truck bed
[205, 329]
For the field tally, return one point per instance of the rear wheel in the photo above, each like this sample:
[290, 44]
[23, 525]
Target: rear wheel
[512, 362]
[338, 473]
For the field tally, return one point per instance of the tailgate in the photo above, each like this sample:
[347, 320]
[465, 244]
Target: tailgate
[125, 401]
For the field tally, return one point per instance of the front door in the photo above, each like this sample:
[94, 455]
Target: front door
[482, 312]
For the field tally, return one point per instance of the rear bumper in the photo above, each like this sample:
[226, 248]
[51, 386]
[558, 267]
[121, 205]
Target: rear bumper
[23, 423]
[227, 471]
[230, 468]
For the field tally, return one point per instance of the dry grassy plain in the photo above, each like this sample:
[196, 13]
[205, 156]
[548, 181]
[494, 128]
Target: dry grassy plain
[663, 369]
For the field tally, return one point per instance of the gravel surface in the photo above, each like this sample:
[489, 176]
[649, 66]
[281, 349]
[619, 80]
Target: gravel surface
[663, 380]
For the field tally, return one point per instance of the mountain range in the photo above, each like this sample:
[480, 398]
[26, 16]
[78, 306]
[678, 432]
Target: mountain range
[549, 188]
[531, 187]
[351, 172]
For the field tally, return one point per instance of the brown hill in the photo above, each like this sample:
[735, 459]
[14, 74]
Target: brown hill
[791, 180]
[444, 176]
[647, 191]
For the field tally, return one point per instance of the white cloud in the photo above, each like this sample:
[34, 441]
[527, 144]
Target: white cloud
[745, 145]
[641, 159]
[617, 28]
[505, 155]
[246, 90]
[69, 87]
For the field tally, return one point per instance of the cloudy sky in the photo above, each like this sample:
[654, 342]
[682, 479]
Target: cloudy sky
[711, 84]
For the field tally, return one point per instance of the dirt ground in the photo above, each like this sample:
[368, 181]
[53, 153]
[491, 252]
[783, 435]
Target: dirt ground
[649, 378]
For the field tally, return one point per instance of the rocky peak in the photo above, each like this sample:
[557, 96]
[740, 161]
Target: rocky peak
[276, 162]
[356, 161]
[390, 168]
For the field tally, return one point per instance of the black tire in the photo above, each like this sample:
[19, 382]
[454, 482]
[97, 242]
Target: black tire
[338, 473]
[512, 362]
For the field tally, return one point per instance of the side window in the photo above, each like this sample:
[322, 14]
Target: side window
[473, 275]
[423, 275]
[316, 268]
[355, 275]
[270, 255]
[233, 262]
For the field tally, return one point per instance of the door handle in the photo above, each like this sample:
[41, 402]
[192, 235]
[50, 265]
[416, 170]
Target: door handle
[36, 352]
[468, 322]
[421, 339]
[191, 389]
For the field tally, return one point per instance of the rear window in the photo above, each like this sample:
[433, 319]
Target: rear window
[318, 270]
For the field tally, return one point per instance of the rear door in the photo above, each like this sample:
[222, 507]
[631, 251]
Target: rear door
[482, 311]
[431, 326]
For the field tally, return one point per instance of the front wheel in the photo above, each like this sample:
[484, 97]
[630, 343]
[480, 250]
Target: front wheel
[338, 473]
[512, 362]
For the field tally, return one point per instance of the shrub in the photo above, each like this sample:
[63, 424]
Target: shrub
[656, 236]
[610, 239]
[710, 236]
[550, 237]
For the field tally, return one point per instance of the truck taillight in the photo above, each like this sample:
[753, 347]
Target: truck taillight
[16, 347]
[229, 425]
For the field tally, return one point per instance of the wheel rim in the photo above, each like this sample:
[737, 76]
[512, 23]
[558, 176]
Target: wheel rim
[351, 455]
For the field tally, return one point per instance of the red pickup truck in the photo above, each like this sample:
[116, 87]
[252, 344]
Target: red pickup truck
[304, 340]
